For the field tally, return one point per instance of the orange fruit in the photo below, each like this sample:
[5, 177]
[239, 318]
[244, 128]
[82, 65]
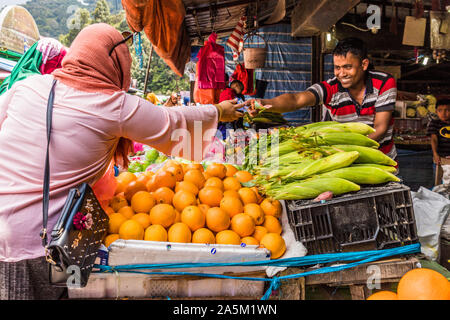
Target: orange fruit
[231, 205]
[214, 182]
[275, 244]
[383, 295]
[151, 184]
[255, 211]
[177, 172]
[142, 201]
[132, 188]
[243, 224]
[231, 193]
[115, 221]
[203, 235]
[206, 176]
[231, 183]
[216, 170]
[423, 284]
[110, 238]
[250, 241]
[164, 179]
[247, 195]
[196, 177]
[179, 232]
[118, 201]
[182, 199]
[271, 207]
[193, 217]
[127, 212]
[155, 232]
[210, 196]
[259, 233]
[172, 163]
[143, 178]
[109, 210]
[228, 237]
[217, 220]
[272, 224]
[163, 214]
[243, 176]
[187, 186]
[259, 198]
[231, 170]
[163, 195]
[203, 207]
[142, 218]
[131, 230]
[148, 173]
[177, 216]
[193, 166]
[123, 180]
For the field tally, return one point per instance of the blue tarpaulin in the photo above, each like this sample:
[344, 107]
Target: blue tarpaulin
[287, 68]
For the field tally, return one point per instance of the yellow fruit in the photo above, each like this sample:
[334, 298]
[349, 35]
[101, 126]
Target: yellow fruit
[217, 220]
[143, 219]
[193, 166]
[163, 214]
[164, 178]
[275, 244]
[231, 170]
[259, 233]
[123, 180]
[272, 224]
[243, 176]
[133, 188]
[210, 196]
[243, 224]
[110, 238]
[250, 241]
[179, 232]
[155, 232]
[177, 172]
[271, 207]
[214, 182]
[231, 205]
[231, 193]
[127, 212]
[231, 183]
[255, 211]
[196, 177]
[182, 199]
[216, 170]
[203, 208]
[118, 202]
[228, 237]
[193, 217]
[163, 195]
[131, 230]
[115, 221]
[186, 186]
[142, 201]
[203, 235]
[247, 196]
[259, 198]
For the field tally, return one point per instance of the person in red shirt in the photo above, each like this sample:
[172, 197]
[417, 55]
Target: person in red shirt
[233, 91]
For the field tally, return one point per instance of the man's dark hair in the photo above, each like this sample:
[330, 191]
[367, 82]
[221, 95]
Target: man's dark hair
[237, 82]
[353, 45]
[442, 102]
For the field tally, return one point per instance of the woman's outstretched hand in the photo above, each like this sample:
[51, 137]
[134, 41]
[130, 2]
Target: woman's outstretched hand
[229, 110]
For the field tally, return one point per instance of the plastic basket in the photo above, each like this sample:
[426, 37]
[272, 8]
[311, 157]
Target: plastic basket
[372, 219]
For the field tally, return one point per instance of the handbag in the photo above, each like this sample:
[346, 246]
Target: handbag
[79, 230]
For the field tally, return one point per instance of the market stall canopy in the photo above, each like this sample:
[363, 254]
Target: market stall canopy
[18, 30]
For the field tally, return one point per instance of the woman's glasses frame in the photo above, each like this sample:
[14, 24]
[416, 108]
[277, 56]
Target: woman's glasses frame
[126, 38]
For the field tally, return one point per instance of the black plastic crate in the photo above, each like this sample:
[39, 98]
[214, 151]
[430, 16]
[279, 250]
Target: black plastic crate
[374, 218]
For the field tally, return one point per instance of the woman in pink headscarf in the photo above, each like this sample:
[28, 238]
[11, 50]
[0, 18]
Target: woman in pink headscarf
[94, 121]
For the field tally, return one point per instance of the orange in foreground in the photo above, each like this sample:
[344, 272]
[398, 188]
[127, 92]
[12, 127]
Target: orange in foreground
[383, 295]
[423, 284]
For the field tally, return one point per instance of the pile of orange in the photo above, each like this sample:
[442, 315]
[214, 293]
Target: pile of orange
[187, 203]
[418, 284]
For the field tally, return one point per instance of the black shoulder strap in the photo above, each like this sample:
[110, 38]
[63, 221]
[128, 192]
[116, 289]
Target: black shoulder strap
[46, 189]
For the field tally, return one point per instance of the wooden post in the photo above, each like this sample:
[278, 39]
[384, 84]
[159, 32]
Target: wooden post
[148, 69]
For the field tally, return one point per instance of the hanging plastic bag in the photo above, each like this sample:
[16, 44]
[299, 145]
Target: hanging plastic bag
[105, 187]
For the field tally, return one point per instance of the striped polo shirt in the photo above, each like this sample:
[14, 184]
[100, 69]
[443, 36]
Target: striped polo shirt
[380, 95]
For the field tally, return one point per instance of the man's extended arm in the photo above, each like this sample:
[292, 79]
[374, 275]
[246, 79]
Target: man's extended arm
[381, 125]
[289, 102]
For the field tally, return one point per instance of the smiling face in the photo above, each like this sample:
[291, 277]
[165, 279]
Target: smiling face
[349, 70]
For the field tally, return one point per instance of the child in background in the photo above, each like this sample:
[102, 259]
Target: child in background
[439, 130]
[233, 91]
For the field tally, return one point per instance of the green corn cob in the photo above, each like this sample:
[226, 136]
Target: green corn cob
[368, 155]
[336, 185]
[361, 175]
[346, 138]
[358, 127]
[389, 169]
[315, 125]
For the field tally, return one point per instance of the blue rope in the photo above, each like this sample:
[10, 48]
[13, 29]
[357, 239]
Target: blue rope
[275, 282]
[138, 48]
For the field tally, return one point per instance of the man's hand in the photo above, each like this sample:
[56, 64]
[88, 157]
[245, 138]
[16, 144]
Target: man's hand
[229, 110]
[287, 102]
[436, 159]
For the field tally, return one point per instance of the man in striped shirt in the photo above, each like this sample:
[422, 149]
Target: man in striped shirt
[354, 94]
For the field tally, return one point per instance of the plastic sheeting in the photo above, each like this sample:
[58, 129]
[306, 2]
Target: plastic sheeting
[287, 68]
